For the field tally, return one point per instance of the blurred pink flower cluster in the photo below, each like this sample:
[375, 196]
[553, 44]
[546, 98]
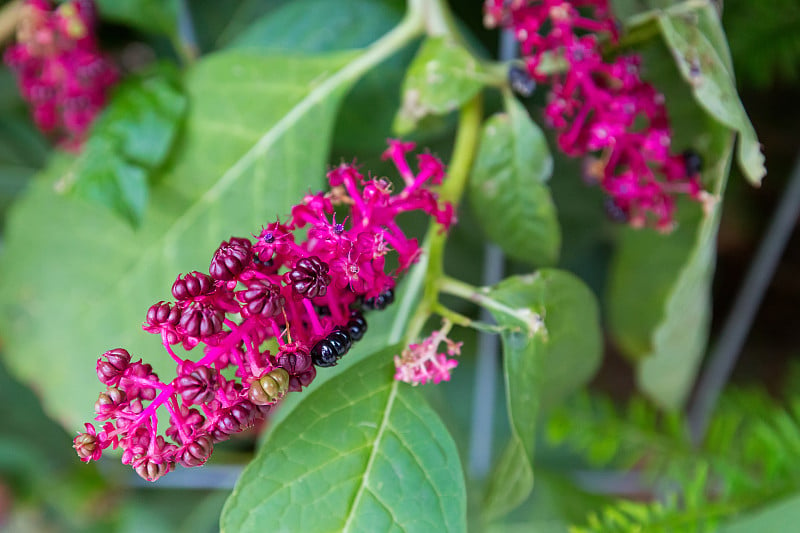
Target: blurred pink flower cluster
[602, 108]
[60, 70]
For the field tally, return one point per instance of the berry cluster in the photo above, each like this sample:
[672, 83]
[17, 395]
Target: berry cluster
[59, 68]
[602, 109]
[272, 310]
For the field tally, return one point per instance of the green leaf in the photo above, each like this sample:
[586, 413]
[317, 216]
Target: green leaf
[553, 346]
[314, 26]
[76, 281]
[128, 143]
[508, 191]
[154, 16]
[442, 77]
[659, 299]
[361, 453]
[712, 83]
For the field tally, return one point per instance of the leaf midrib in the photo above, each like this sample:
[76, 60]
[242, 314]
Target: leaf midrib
[351, 514]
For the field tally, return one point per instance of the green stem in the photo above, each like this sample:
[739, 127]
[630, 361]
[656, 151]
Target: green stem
[464, 321]
[480, 296]
[453, 188]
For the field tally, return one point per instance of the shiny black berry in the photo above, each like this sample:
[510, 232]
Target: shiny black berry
[323, 353]
[693, 162]
[381, 301]
[341, 341]
[520, 81]
[356, 326]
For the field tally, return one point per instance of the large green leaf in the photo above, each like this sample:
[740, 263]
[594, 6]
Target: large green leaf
[362, 453]
[442, 77]
[552, 347]
[659, 300]
[77, 281]
[314, 26]
[128, 143]
[508, 191]
[706, 69]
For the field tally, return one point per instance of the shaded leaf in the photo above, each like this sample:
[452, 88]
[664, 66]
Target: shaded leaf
[76, 281]
[442, 77]
[128, 143]
[154, 16]
[773, 517]
[314, 26]
[554, 348]
[508, 191]
[366, 451]
[712, 83]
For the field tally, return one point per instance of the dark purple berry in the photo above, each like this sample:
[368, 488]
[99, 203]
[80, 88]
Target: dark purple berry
[261, 298]
[340, 340]
[693, 162]
[191, 285]
[199, 386]
[200, 320]
[614, 212]
[230, 259]
[196, 453]
[323, 353]
[521, 81]
[294, 362]
[356, 326]
[309, 278]
[163, 313]
[110, 370]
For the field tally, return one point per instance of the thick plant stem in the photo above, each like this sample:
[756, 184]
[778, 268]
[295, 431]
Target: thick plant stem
[451, 191]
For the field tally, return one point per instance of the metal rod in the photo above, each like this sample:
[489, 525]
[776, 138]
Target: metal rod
[734, 332]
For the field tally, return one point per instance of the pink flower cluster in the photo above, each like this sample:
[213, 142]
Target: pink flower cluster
[422, 363]
[601, 107]
[60, 70]
[271, 310]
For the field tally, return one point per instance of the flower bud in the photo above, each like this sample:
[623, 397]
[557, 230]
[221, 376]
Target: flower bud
[151, 470]
[86, 446]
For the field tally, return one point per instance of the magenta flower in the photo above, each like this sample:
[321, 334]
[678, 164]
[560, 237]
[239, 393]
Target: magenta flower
[423, 363]
[60, 70]
[307, 295]
[602, 109]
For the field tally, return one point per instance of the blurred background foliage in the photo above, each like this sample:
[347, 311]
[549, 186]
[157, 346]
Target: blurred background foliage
[43, 487]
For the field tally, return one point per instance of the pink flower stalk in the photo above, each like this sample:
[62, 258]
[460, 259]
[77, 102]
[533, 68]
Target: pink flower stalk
[60, 70]
[422, 363]
[603, 109]
[306, 295]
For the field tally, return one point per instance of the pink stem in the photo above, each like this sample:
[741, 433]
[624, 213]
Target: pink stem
[312, 315]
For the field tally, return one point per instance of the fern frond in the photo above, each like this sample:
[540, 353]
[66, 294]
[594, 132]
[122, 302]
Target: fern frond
[749, 457]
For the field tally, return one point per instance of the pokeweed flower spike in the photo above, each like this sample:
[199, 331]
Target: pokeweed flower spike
[60, 70]
[423, 363]
[308, 296]
[602, 110]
